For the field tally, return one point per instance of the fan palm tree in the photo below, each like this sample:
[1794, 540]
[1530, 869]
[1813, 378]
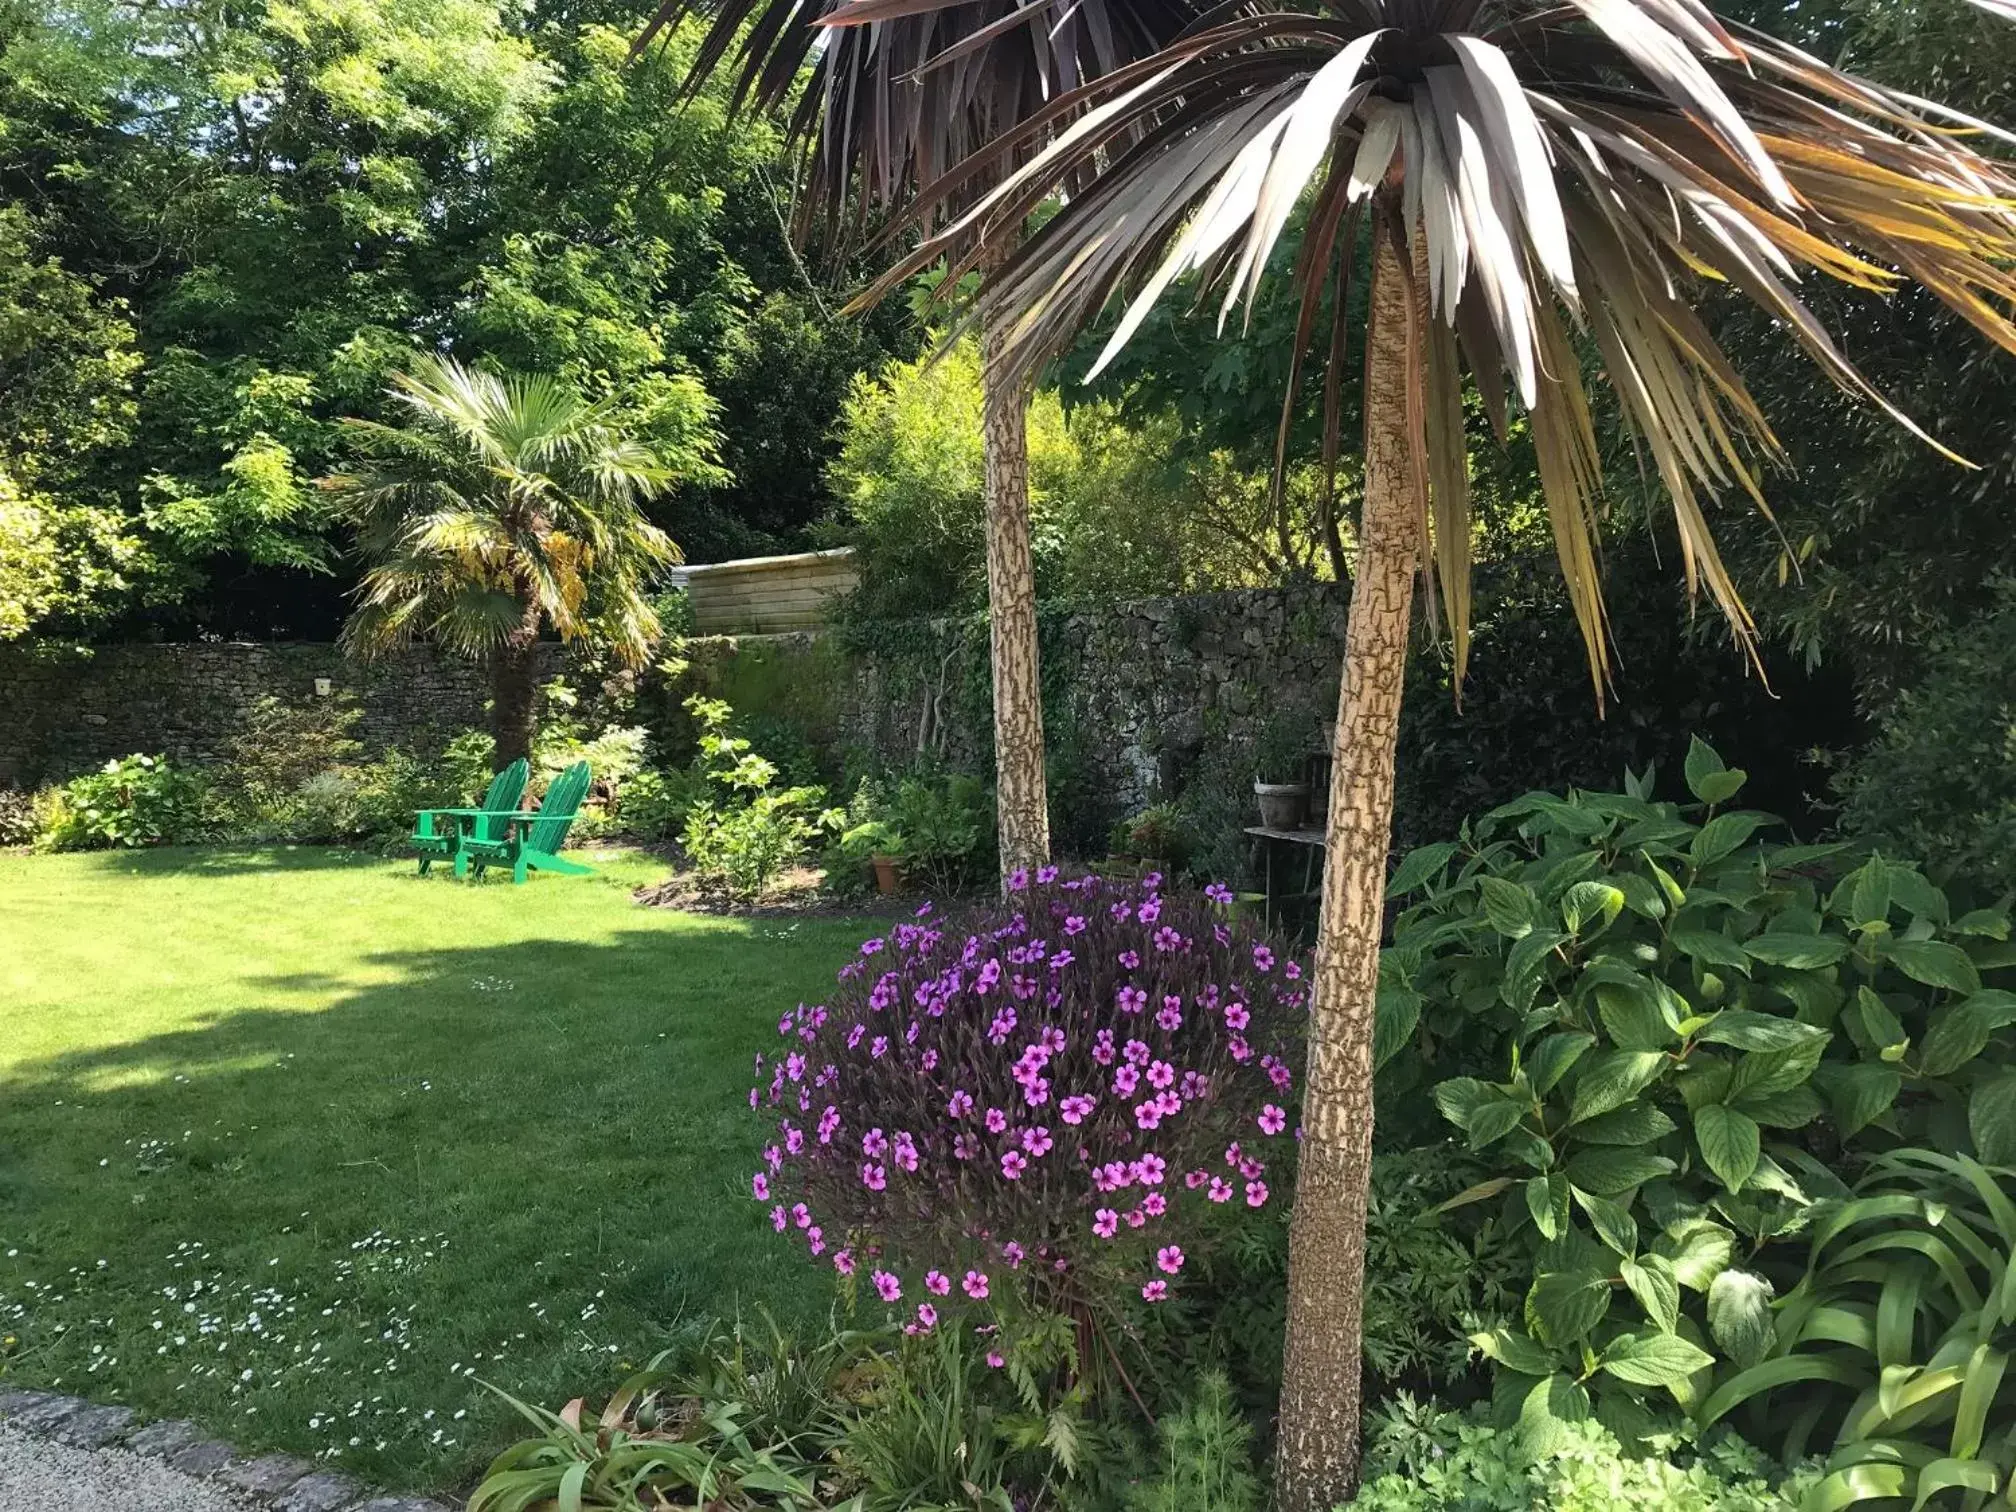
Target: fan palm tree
[503, 507]
[898, 93]
[1546, 186]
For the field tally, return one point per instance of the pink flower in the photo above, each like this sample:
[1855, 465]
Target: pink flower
[1263, 958]
[996, 1120]
[1036, 1141]
[1150, 909]
[760, 1185]
[801, 1214]
[906, 1152]
[1236, 1016]
[1132, 1000]
[1076, 1108]
[1014, 1254]
[1161, 1074]
[1148, 1115]
[1135, 1217]
[778, 1219]
[1136, 1052]
[874, 1144]
[887, 1287]
[927, 1316]
[1272, 1120]
[1154, 1204]
[1292, 971]
[1167, 939]
[1171, 1016]
[1149, 1169]
[1256, 1193]
[1131, 959]
[874, 1177]
[994, 1360]
[1125, 1080]
[1074, 924]
[1102, 1047]
[1045, 875]
[975, 1285]
[879, 1047]
[1105, 1223]
[1013, 1164]
[960, 1105]
[937, 1283]
[964, 1147]
[1195, 1179]
[1169, 1259]
[1155, 1291]
[794, 1141]
[1220, 1191]
[843, 1262]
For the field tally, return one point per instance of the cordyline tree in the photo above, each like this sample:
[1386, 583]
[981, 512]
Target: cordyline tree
[1544, 187]
[900, 92]
[506, 505]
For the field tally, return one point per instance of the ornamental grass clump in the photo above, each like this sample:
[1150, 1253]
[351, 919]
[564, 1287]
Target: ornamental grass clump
[1039, 1104]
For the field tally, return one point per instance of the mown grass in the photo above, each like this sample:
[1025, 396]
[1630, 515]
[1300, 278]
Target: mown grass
[303, 1147]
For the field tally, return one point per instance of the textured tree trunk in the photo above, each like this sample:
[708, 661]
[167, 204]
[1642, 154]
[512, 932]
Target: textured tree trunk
[1320, 1392]
[514, 692]
[1021, 798]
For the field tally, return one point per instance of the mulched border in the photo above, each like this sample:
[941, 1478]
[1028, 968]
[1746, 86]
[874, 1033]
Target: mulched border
[280, 1482]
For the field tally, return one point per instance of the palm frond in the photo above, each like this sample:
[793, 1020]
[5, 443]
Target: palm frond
[1568, 174]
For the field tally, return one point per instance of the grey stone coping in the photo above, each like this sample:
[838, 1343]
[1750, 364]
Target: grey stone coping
[280, 1482]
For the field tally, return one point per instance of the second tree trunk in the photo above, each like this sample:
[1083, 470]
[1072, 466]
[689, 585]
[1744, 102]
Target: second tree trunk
[1321, 1392]
[1022, 800]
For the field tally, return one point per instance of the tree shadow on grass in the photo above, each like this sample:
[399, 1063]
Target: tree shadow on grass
[233, 860]
[570, 1119]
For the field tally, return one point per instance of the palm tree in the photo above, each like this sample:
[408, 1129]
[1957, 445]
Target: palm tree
[1544, 185]
[899, 93]
[504, 506]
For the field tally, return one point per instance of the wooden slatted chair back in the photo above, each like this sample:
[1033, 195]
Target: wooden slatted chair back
[506, 788]
[558, 808]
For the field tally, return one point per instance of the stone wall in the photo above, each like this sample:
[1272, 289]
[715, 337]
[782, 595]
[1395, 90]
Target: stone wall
[67, 709]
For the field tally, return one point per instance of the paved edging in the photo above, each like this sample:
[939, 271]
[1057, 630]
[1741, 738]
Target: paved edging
[279, 1482]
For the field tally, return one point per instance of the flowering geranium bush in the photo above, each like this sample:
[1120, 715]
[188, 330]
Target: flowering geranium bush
[1046, 1098]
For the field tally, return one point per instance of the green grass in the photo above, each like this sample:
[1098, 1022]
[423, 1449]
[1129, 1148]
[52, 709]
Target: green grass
[300, 1146]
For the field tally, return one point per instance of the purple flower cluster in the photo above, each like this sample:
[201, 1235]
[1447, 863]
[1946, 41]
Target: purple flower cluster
[1049, 1095]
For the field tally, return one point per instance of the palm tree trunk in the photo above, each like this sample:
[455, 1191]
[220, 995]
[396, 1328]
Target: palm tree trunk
[514, 691]
[1021, 799]
[1320, 1392]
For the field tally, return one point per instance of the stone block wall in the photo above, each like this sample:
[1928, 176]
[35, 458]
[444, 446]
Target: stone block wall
[67, 709]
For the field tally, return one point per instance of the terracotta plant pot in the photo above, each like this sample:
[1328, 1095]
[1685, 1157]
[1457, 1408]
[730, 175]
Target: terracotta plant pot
[888, 874]
[1281, 803]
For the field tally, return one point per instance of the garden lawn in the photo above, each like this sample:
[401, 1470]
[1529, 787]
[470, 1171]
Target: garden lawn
[305, 1147]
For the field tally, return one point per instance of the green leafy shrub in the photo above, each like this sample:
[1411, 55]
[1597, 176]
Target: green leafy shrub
[1159, 832]
[1674, 1028]
[940, 826]
[744, 837]
[1895, 1342]
[18, 822]
[131, 801]
[1203, 1457]
[1443, 1462]
[278, 750]
[655, 804]
[1939, 780]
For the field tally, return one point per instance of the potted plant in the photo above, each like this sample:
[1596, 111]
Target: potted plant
[1158, 836]
[882, 846]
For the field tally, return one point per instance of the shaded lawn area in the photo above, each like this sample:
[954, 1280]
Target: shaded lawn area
[300, 1146]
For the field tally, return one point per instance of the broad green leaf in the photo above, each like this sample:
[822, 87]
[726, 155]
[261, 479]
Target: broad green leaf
[1746, 1029]
[1396, 1012]
[1515, 1351]
[1936, 964]
[1702, 763]
[1802, 952]
[1483, 1191]
[1563, 1306]
[1676, 895]
[1547, 1411]
[1613, 1225]
[1711, 948]
[1722, 836]
[1585, 902]
[1762, 1072]
[1418, 867]
[1995, 1006]
[1655, 1359]
[1991, 1119]
[1955, 1474]
[1652, 1281]
[1985, 1369]
[1552, 1057]
[1729, 1143]
[1492, 1121]
[1720, 787]
[1609, 1079]
[1739, 1316]
[1957, 1034]
[1917, 896]
[1769, 1376]
[1545, 1200]
[1991, 923]
[1613, 1172]
[1869, 893]
[1512, 910]
[1642, 896]
[1637, 1124]
[1460, 1097]
[1859, 1094]
[1633, 1017]
[1857, 1483]
[1525, 968]
[1793, 1108]
[1872, 1017]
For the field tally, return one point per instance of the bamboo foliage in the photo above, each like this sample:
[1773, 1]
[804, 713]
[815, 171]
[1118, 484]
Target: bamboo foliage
[1569, 177]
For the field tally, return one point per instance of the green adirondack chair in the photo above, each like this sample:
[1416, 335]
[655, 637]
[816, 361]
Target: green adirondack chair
[532, 842]
[438, 833]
